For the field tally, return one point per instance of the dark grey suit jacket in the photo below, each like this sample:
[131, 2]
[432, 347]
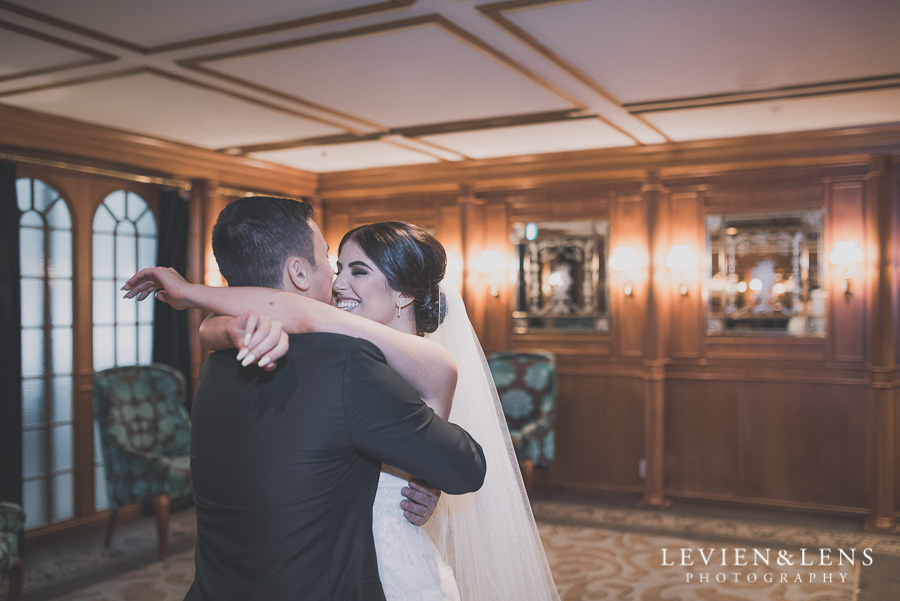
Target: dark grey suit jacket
[285, 467]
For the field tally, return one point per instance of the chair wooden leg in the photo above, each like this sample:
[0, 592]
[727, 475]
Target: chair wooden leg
[17, 580]
[110, 524]
[161, 510]
[528, 476]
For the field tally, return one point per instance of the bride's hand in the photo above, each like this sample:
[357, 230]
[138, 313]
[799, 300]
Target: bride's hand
[261, 340]
[168, 284]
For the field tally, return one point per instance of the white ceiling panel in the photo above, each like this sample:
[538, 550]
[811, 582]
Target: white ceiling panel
[21, 53]
[159, 106]
[168, 21]
[580, 134]
[411, 76]
[820, 112]
[644, 50]
[341, 157]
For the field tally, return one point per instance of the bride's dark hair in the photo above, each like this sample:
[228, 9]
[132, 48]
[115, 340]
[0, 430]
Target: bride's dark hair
[412, 260]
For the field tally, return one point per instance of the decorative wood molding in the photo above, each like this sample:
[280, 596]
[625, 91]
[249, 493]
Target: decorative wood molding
[843, 86]
[201, 63]
[32, 134]
[178, 78]
[94, 57]
[339, 15]
[495, 12]
[823, 148]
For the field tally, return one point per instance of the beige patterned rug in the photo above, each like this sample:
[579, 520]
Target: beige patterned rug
[591, 563]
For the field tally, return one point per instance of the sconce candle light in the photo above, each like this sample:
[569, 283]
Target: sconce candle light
[682, 260]
[627, 261]
[846, 258]
[492, 265]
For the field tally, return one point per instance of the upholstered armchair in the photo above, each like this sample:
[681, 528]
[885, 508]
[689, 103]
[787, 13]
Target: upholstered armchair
[526, 383]
[145, 437]
[12, 522]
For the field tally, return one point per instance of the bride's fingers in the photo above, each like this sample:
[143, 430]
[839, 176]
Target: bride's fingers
[141, 289]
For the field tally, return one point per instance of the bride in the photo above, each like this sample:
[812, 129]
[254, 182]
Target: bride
[485, 544]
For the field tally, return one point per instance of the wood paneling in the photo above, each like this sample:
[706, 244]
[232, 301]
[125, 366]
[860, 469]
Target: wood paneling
[628, 229]
[600, 427]
[767, 441]
[44, 136]
[685, 313]
[848, 312]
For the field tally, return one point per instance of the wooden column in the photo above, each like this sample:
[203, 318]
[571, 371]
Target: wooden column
[472, 219]
[881, 363]
[204, 209]
[654, 355]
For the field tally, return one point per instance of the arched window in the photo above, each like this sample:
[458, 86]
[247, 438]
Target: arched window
[124, 240]
[45, 246]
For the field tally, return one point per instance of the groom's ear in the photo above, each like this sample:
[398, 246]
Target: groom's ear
[297, 271]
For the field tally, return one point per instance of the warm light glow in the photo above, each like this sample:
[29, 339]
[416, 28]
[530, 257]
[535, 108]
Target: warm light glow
[779, 288]
[555, 279]
[531, 231]
[846, 252]
[755, 285]
[454, 272]
[213, 277]
[742, 287]
[682, 258]
[626, 258]
[492, 265]
[490, 262]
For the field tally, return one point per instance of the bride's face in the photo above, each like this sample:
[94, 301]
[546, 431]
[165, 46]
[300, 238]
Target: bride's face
[361, 288]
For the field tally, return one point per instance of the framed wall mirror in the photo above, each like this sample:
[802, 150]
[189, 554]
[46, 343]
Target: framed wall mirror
[561, 276]
[766, 273]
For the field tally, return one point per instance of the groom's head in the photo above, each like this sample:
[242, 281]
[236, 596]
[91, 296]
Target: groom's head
[274, 243]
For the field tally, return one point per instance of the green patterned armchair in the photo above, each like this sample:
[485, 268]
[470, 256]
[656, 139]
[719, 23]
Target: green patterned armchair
[145, 436]
[12, 522]
[526, 383]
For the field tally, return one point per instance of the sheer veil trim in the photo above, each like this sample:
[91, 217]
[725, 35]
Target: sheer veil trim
[489, 537]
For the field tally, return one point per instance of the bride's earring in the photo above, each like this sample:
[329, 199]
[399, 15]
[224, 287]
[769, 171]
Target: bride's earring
[398, 308]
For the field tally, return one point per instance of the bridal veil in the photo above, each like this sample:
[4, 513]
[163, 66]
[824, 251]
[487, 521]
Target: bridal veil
[489, 537]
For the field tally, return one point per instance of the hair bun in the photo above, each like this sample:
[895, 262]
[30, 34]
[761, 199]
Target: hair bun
[431, 310]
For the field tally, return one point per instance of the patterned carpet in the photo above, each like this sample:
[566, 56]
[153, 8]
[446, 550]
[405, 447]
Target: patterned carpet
[616, 553]
[588, 563]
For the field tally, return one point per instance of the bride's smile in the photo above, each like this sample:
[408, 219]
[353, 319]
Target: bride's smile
[360, 287]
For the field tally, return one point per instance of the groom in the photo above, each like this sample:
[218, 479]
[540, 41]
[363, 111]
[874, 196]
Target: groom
[285, 463]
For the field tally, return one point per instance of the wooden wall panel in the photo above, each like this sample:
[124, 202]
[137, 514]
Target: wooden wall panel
[848, 324]
[685, 313]
[804, 443]
[701, 433]
[794, 444]
[599, 441]
[628, 229]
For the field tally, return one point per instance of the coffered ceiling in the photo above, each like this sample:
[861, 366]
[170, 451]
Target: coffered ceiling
[330, 85]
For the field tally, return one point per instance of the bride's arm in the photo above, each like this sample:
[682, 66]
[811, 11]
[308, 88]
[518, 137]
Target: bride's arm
[427, 366]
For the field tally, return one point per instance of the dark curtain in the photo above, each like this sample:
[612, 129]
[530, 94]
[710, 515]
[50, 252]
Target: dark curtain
[11, 335]
[170, 327]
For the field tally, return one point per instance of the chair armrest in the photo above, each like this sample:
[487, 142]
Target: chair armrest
[12, 517]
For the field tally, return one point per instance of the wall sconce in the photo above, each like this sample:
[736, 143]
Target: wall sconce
[846, 258]
[627, 261]
[682, 260]
[492, 265]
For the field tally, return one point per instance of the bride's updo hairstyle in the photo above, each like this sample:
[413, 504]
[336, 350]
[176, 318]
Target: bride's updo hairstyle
[412, 260]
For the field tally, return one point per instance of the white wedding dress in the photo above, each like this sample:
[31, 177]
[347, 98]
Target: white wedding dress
[409, 565]
[486, 544]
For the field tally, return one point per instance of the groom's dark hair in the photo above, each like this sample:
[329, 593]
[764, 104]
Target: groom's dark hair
[254, 237]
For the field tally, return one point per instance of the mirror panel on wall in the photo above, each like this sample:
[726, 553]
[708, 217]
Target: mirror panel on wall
[766, 273]
[561, 276]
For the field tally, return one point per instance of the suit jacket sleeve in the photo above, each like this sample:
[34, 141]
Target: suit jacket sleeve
[389, 422]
